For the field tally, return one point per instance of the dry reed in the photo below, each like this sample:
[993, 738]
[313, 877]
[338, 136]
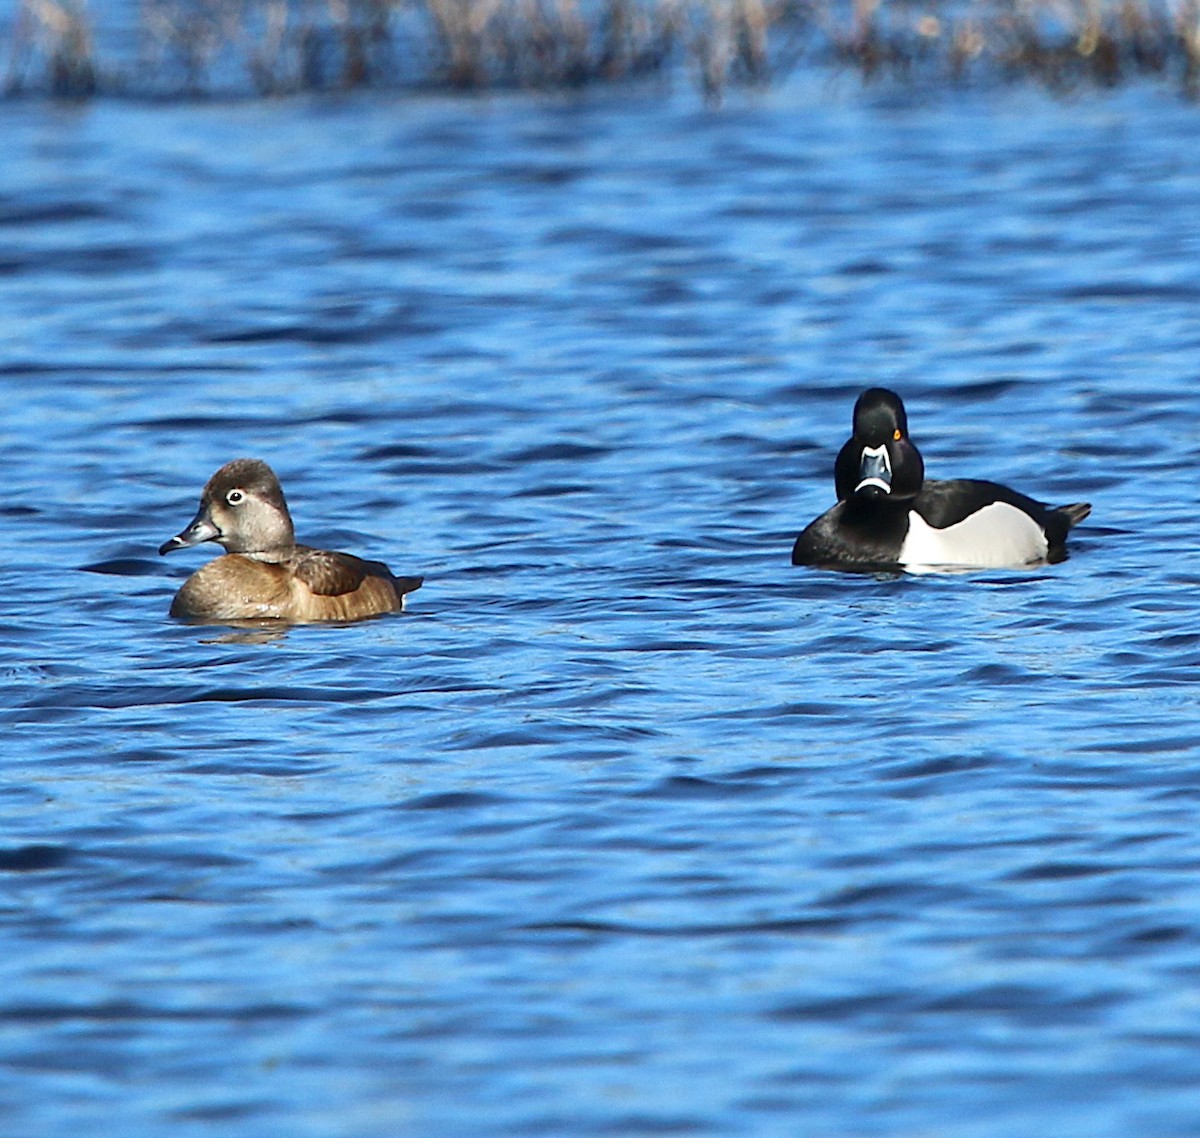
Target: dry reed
[57, 39]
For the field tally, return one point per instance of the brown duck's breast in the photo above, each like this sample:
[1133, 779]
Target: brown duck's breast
[234, 587]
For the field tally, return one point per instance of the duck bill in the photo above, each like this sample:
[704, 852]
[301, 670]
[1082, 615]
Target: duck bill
[874, 472]
[200, 530]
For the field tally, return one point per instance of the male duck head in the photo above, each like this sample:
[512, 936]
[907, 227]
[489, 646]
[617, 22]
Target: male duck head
[879, 462]
[242, 509]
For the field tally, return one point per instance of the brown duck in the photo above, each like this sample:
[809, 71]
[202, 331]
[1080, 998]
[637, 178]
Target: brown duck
[264, 574]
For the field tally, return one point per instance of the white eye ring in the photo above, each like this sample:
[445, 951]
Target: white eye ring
[234, 497]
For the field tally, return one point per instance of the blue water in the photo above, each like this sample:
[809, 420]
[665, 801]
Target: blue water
[627, 826]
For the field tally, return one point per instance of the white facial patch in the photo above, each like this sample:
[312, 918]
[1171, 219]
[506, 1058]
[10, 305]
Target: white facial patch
[999, 536]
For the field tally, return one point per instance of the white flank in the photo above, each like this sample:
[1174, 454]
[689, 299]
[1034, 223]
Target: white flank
[997, 537]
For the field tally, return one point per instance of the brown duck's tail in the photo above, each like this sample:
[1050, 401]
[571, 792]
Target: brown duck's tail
[1074, 513]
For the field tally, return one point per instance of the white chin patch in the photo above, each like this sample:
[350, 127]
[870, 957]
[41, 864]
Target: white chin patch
[999, 536]
[878, 483]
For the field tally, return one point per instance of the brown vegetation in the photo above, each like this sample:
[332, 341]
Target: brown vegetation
[280, 46]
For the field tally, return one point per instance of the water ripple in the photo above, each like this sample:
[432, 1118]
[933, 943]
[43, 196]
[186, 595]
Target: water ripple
[624, 812]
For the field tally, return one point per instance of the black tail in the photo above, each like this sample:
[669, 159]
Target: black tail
[407, 584]
[1074, 513]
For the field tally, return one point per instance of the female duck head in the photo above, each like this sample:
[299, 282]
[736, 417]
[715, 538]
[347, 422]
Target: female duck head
[243, 510]
[879, 461]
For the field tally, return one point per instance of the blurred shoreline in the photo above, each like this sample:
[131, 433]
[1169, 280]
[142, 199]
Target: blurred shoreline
[212, 48]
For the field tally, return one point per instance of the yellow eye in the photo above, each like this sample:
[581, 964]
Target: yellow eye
[896, 434]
